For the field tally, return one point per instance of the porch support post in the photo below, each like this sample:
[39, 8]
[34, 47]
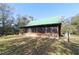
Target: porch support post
[59, 27]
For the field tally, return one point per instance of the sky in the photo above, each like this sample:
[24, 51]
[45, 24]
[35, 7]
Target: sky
[45, 10]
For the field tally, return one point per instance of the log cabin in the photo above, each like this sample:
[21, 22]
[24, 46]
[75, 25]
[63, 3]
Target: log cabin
[47, 26]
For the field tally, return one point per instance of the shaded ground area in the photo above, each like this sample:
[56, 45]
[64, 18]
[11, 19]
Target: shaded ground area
[38, 46]
[73, 47]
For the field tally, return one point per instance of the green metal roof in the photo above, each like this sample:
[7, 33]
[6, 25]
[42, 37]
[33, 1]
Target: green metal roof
[52, 20]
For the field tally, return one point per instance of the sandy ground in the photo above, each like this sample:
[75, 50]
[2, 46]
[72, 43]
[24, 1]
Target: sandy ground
[34, 35]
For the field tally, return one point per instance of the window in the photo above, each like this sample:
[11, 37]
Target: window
[48, 29]
[33, 29]
[54, 29]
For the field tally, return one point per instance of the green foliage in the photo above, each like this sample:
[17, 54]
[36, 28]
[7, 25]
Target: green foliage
[8, 22]
[75, 20]
[75, 24]
[6, 19]
[71, 26]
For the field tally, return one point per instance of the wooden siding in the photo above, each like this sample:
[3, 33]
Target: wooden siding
[54, 30]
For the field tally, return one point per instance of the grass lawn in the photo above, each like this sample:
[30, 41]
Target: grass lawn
[20, 45]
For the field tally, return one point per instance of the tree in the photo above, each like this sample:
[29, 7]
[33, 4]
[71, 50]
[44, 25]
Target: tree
[66, 24]
[22, 21]
[5, 13]
[75, 24]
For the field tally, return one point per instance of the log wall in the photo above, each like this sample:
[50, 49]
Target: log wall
[52, 30]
